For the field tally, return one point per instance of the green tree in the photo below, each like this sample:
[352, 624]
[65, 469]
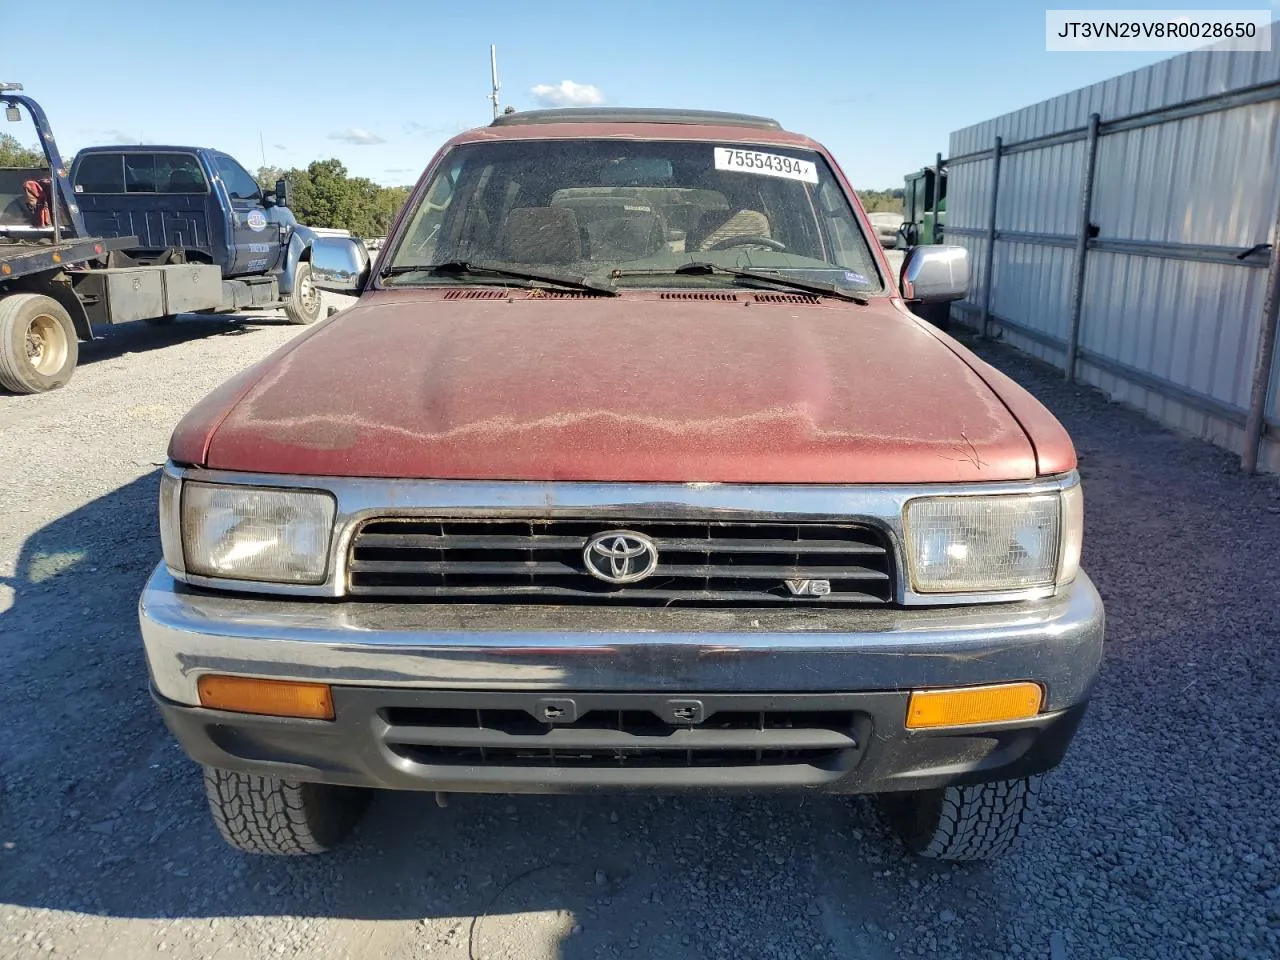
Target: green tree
[882, 201]
[14, 154]
[389, 202]
[324, 195]
[267, 177]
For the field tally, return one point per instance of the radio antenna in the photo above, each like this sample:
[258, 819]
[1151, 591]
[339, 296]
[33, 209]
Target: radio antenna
[493, 69]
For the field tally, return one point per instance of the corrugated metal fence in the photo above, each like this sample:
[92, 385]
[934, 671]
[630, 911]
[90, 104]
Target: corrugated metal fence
[1133, 239]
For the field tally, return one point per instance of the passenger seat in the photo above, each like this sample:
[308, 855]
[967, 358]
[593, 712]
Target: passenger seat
[716, 225]
[626, 238]
[541, 235]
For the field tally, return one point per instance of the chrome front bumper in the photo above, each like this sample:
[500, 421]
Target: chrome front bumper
[188, 632]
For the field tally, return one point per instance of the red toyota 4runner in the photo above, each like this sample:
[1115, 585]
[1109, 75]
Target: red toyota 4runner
[630, 469]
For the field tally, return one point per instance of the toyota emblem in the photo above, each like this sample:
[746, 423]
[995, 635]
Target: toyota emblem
[620, 556]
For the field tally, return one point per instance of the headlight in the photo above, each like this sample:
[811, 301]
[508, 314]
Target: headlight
[256, 533]
[993, 543]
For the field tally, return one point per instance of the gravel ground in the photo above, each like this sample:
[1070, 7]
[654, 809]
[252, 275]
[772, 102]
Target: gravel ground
[1157, 838]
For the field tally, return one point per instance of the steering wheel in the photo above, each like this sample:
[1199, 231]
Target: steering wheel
[748, 241]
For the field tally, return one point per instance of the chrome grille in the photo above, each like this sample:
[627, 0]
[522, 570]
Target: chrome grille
[715, 563]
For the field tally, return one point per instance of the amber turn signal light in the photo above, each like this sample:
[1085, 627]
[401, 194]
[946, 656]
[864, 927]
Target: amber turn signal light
[966, 705]
[271, 698]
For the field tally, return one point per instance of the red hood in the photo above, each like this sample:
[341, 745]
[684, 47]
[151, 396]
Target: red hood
[409, 385]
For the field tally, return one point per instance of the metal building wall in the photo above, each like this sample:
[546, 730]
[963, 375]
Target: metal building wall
[1271, 452]
[1186, 183]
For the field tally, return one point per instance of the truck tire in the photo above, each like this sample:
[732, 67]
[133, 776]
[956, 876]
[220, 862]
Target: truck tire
[937, 314]
[305, 303]
[974, 822]
[940, 316]
[280, 817]
[38, 345]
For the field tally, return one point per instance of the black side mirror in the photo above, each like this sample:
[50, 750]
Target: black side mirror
[284, 193]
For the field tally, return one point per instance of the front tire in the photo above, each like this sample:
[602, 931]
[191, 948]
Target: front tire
[305, 304]
[937, 314]
[38, 344]
[975, 822]
[281, 817]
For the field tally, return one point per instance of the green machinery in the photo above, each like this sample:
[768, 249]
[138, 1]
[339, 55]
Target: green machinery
[924, 206]
[924, 219]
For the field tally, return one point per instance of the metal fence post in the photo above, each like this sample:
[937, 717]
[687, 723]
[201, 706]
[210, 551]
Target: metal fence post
[1082, 246]
[1263, 361]
[988, 266]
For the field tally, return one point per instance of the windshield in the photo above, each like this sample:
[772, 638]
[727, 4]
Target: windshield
[635, 211]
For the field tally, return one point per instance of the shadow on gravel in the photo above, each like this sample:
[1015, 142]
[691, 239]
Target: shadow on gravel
[140, 336]
[101, 814]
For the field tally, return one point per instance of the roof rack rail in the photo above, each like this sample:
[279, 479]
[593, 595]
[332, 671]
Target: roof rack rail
[633, 115]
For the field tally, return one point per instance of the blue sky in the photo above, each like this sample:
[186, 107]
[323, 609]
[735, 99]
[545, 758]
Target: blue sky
[380, 83]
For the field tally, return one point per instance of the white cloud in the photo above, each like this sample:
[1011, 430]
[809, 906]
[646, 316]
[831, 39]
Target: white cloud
[361, 138]
[566, 93]
[119, 136]
[279, 146]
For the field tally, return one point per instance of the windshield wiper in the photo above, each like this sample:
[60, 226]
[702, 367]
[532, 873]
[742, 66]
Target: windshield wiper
[482, 268]
[775, 281]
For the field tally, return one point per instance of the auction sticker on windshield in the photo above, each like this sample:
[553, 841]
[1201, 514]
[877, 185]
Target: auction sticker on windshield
[768, 164]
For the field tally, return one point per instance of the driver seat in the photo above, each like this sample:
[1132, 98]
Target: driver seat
[717, 225]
